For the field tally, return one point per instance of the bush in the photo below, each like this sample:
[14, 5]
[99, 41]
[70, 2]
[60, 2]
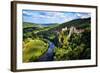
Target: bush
[75, 48]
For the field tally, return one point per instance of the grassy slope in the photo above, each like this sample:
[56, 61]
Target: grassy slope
[27, 25]
[34, 49]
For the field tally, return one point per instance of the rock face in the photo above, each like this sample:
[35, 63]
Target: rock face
[74, 30]
[64, 29]
[63, 39]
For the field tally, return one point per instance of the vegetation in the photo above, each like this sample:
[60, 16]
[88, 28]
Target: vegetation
[33, 49]
[72, 40]
[75, 48]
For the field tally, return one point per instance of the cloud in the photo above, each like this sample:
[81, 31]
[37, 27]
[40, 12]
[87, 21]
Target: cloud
[51, 16]
[27, 13]
[83, 15]
[47, 15]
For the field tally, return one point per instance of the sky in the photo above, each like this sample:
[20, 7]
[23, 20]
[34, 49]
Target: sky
[47, 17]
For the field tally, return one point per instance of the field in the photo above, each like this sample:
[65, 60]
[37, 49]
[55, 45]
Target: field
[56, 42]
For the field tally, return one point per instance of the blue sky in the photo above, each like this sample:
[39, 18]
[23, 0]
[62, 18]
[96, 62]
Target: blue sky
[46, 17]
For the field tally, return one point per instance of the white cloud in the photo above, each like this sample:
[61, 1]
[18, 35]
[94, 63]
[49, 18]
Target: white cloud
[54, 15]
[81, 15]
[27, 13]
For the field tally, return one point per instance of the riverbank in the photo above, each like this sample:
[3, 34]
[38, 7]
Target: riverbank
[33, 49]
[48, 55]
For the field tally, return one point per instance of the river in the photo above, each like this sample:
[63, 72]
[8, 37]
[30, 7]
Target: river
[48, 56]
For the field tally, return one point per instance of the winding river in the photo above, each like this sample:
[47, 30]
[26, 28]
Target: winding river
[48, 56]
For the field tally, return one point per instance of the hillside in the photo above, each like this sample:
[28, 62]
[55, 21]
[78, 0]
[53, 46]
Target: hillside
[78, 23]
[27, 25]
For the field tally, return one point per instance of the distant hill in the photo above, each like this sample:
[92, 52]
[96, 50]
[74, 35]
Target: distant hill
[78, 23]
[27, 25]
[54, 28]
[75, 23]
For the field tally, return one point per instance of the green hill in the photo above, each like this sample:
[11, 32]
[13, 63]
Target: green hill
[78, 23]
[27, 25]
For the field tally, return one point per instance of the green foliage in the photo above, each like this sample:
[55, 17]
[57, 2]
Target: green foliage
[27, 25]
[63, 38]
[86, 37]
[78, 23]
[62, 53]
[75, 47]
[74, 40]
[33, 49]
